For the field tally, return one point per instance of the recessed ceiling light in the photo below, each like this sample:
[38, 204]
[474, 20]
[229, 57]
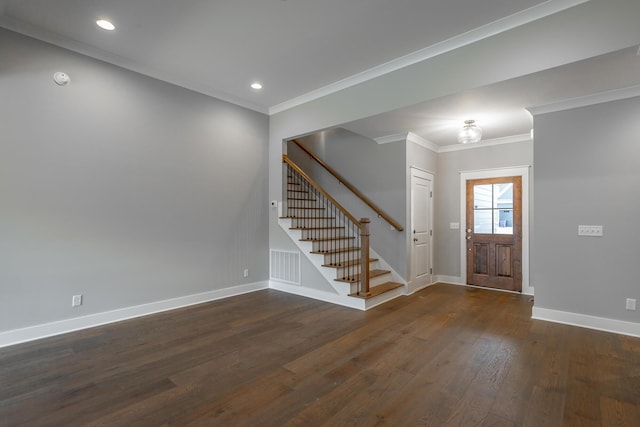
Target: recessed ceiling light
[105, 25]
[256, 86]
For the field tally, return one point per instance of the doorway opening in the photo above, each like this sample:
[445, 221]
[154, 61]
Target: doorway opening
[494, 243]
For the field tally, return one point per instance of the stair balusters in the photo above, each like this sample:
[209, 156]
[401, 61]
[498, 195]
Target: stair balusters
[333, 231]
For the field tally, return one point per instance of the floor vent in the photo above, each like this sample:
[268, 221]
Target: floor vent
[285, 266]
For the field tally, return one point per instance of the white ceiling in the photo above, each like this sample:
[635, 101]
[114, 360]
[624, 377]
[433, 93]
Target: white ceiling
[300, 49]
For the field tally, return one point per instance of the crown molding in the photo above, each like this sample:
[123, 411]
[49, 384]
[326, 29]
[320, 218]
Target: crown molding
[525, 137]
[409, 137]
[584, 101]
[417, 139]
[523, 17]
[423, 142]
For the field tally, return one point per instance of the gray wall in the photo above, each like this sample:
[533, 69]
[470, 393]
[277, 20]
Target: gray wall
[120, 187]
[447, 195]
[378, 171]
[586, 172]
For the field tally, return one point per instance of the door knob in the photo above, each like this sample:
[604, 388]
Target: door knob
[468, 237]
[469, 230]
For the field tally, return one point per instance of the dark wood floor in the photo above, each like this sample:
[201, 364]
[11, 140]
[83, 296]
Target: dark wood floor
[446, 356]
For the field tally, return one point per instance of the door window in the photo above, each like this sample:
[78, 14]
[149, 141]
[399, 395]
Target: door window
[493, 208]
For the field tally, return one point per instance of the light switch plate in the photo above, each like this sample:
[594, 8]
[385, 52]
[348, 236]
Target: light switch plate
[454, 225]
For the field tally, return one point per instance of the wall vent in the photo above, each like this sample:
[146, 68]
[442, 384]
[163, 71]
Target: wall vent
[285, 266]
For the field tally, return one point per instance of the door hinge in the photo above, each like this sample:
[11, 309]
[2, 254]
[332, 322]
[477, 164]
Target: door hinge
[430, 232]
[430, 193]
[431, 271]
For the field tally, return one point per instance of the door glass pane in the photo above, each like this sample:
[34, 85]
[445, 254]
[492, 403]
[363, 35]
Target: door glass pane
[503, 195]
[503, 221]
[493, 208]
[482, 221]
[482, 196]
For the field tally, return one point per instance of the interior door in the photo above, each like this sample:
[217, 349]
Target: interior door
[494, 233]
[421, 229]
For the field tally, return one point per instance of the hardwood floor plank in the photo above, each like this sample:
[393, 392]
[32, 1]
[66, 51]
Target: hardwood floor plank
[447, 355]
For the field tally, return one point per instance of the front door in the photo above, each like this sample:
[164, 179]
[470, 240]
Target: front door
[421, 227]
[494, 233]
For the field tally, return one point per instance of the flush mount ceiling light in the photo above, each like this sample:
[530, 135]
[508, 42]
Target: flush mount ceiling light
[105, 24]
[469, 133]
[256, 86]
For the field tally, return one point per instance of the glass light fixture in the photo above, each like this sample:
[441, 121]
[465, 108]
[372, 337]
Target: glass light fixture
[256, 85]
[469, 133]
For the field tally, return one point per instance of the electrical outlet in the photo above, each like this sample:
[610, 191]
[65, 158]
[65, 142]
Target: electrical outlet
[590, 230]
[274, 203]
[246, 272]
[631, 304]
[76, 300]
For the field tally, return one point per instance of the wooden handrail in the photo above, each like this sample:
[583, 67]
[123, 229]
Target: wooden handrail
[354, 190]
[341, 208]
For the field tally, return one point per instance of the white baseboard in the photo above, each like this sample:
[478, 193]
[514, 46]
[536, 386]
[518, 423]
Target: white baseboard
[410, 289]
[586, 321]
[319, 295]
[31, 333]
[454, 280]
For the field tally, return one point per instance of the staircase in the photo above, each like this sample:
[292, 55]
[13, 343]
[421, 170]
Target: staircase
[336, 242]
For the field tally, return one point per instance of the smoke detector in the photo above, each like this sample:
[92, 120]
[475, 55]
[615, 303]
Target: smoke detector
[61, 79]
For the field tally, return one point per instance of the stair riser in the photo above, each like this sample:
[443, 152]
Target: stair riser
[374, 281]
[332, 244]
[307, 213]
[303, 204]
[323, 234]
[315, 222]
[341, 257]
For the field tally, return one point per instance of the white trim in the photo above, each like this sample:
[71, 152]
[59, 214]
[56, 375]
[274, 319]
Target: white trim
[586, 321]
[45, 330]
[452, 280]
[398, 137]
[525, 137]
[488, 289]
[430, 145]
[410, 290]
[423, 142]
[584, 101]
[409, 137]
[522, 171]
[518, 19]
[303, 291]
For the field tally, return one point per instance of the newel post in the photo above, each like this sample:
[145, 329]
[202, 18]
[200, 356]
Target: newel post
[364, 256]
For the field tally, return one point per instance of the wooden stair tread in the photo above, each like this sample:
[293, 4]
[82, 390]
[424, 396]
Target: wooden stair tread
[356, 277]
[378, 290]
[335, 251]
[298, 191]
[348, 264]
[300, 207]
[328, 239]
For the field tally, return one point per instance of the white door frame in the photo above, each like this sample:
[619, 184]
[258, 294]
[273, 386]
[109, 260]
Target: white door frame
[429, 177]
[522, 171]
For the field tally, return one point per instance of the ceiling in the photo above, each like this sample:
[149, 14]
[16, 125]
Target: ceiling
[301, 49]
